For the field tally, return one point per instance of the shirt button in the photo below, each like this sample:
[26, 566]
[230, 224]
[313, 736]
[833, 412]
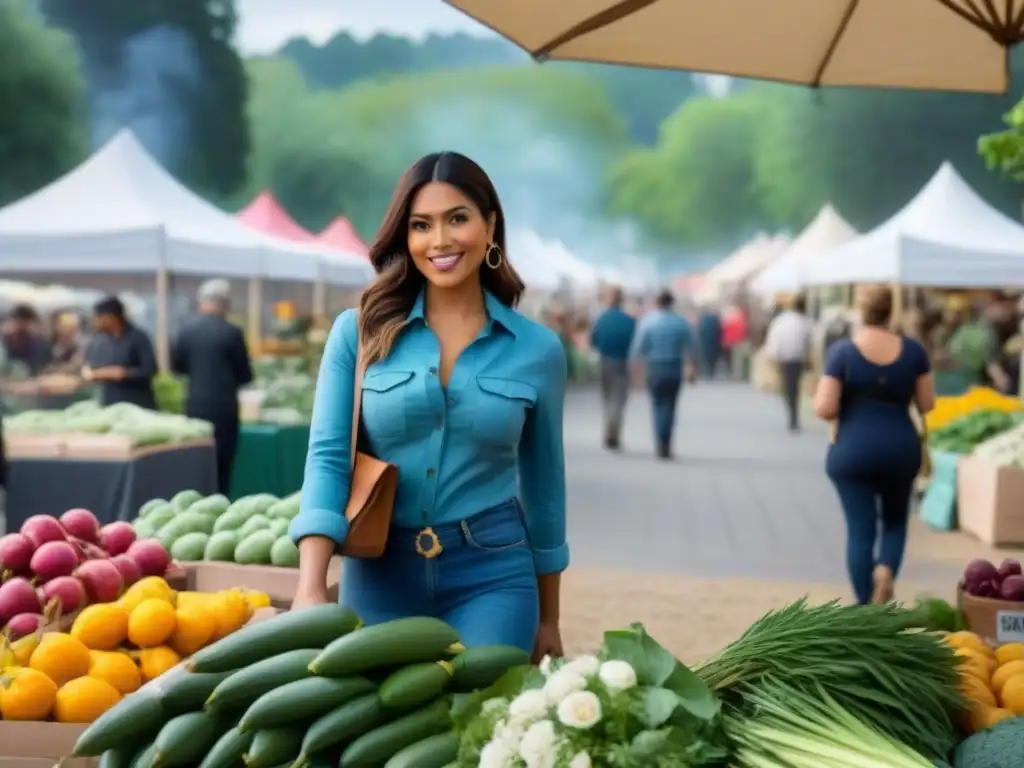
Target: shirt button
[431, 472]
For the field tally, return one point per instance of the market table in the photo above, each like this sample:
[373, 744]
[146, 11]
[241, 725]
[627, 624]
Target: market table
[113, 489]
[271, 458]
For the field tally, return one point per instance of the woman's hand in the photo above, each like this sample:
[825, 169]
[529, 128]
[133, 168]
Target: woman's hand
[548, 642]
[309, 596]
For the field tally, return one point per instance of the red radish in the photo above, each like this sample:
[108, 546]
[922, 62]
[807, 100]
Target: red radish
[101, 579]
[15, 553]
[24, 624]
[40, 529]
[66, 592]
[88, 550]
[17, 596]
[150, 556]
[81, 523]
[117, 537]
[53, 559]
[128, 569]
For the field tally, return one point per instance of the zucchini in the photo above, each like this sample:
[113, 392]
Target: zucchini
[243, 687]
[433, 752]
[274, 746]
[190, 691]
[313, 627]
[146, 758]
[384, 742]
[302, 701]
[228, 751]
[346, 722]
[393, 643]
[135, 717]
[480, 667]
[184, 740]
[413, 686]
[120, 757]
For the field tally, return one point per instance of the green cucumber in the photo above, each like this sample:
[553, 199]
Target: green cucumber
[384, 742]
[274, 746]
[433, 752]
[184, 740]
[413, 686]
[312, 627]
[228, 751]
[246, 685]
[120, 757]
[393, 643]
[135, 717]
[190, 691]
[302, 701]
[480, 667]
[146, 758]
[346, 722]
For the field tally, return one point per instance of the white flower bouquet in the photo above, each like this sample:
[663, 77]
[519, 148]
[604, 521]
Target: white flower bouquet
[632, 705]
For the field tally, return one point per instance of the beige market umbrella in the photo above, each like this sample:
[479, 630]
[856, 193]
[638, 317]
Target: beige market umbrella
[957, 45]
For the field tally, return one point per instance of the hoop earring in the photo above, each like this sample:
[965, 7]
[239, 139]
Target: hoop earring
[494, 256]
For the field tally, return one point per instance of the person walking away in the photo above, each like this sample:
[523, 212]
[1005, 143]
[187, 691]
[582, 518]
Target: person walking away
[734, 333]
[465, 396]
[709, 336]
[664, 343]
[869, 384]
[211, 352]
[25, 346]
[611, 337]
[788, 345]
[119, 357]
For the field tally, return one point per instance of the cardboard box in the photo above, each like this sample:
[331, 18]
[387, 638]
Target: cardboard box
[990, 501]
[29, 744]
[18, 446]
[998, 621]
[118, 447]
[280, 583]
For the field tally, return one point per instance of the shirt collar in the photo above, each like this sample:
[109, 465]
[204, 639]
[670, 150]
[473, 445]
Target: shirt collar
[496, 312]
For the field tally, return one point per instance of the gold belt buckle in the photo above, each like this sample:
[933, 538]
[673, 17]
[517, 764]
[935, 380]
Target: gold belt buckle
[428, 545]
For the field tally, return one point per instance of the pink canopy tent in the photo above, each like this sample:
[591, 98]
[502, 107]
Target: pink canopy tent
[340, 234]
[267, 215]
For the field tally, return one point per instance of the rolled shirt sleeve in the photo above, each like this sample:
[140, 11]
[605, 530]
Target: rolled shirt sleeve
[328, 474]
[542, 467]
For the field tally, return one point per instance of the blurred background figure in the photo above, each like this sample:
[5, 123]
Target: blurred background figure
[211, 353]
[611, 338]
[24, 341]
[709, 337]
[788, 345]
[68, 342]
[119, 357]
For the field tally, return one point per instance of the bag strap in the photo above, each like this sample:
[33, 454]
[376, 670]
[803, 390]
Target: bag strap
[357, 401]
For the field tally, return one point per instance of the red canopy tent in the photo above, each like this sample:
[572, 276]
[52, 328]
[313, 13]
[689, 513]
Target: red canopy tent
[267, 215]
[342, 236]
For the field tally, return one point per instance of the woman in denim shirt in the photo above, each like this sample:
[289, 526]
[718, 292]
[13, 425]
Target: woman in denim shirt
[465, 396]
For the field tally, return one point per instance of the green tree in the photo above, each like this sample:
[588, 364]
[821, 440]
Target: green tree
[41, 103]
[168, 69]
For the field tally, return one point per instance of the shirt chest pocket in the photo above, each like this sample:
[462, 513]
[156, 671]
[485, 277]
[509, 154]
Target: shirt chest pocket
[394, 403]
[501, 410]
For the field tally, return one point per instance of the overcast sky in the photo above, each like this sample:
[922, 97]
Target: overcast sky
[266, 24]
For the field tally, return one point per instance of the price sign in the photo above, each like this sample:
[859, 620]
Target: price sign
[1010, 626]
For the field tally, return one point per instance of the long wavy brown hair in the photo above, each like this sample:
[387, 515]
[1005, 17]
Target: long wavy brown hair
[387, 301]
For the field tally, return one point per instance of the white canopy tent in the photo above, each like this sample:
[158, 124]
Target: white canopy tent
[742, 265]
[827, 231]
[947, 236]
[121, 212]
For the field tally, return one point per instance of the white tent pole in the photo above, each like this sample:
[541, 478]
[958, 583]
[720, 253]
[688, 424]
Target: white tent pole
[255, 311]
[163, 324]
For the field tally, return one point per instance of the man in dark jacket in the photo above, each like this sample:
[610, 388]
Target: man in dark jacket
[120, 358]
[211, 352]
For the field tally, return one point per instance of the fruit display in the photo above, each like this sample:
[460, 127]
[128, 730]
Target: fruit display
[964, 434]
[948, 409]
[251, 531]
[992, 680]
[288, 386]
[142, 426]
[53, 567]
[304, 684]
[113, 649]
[983, 579]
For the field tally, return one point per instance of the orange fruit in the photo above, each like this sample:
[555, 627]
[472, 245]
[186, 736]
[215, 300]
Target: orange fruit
[151, 623]
[117, 668]
[1010, 652]
[977, 691]
[60, 657]
[968, 640]
[26, 694]
[84, 699]
[975, 663]
[1012, 694]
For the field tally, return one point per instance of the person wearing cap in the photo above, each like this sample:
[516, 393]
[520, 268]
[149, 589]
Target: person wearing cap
[119, 357]
[211, 352]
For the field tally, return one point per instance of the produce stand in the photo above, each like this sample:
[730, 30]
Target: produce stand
[990, 501]
[280, 583]
[44, 479]
[271, 458]
[997, 621]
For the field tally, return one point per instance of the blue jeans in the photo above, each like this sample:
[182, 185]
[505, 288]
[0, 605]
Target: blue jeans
[664, 383]
[877, 511]
[483, 583]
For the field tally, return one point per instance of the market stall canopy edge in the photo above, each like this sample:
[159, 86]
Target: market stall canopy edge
[828, 230]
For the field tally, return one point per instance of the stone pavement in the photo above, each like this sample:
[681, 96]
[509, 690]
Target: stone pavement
[743, 520]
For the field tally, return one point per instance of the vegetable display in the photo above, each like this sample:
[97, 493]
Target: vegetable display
[1003, 450]
[984, 579]
[966, 433]
[288, 386]
[950, 408]
[142, 426]
[251, 531]
[991, 680]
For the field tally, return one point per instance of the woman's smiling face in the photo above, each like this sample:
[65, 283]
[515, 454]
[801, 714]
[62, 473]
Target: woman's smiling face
[448, 235]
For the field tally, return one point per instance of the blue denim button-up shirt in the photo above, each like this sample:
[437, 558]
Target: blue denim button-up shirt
[495, 430]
